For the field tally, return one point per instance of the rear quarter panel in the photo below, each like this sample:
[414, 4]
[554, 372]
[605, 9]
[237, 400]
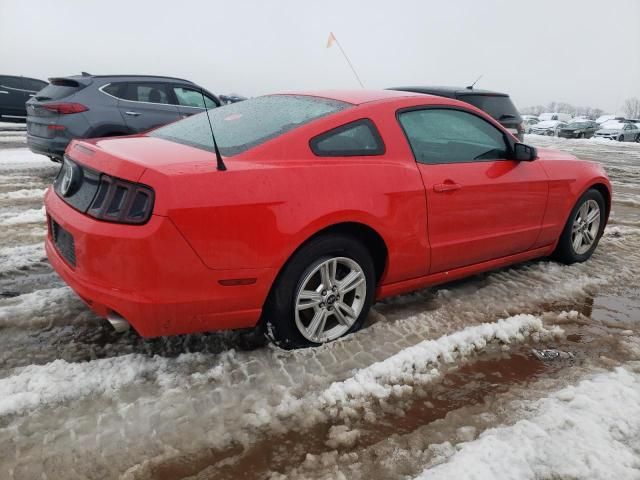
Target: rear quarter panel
[276, 196]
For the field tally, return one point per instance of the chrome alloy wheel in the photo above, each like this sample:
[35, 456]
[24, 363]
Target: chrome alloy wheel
[586, 226]
[329, 299]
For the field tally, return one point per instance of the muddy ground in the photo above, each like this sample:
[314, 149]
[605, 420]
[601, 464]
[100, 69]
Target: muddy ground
[401, 396]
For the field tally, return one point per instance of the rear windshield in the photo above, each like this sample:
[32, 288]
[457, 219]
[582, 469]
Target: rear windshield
[58, 89]
[244, 125]
[495, 105]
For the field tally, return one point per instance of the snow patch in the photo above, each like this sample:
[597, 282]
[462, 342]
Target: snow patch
[591, 430]
[32, 215]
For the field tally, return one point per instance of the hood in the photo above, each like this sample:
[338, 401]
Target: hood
[609, 130]
[551, 154]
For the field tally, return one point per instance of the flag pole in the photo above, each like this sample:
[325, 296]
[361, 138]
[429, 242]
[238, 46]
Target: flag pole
[346, 57]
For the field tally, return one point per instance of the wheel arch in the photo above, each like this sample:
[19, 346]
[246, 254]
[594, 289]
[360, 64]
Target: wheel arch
[606, 194]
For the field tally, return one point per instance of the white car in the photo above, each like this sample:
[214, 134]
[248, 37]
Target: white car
[547, 127]
[621, 131]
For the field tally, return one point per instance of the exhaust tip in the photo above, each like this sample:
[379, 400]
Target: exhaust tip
[118, 323]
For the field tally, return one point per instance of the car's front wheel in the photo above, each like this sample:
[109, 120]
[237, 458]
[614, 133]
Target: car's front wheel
[583, 229]
[324, 292]
[621, 138]
[638, 138]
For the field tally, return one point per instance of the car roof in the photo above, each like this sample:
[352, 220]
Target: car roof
[447, 91]
[355, 97]
[133, 77]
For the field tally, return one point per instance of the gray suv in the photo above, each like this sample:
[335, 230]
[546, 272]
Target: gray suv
[89, 106]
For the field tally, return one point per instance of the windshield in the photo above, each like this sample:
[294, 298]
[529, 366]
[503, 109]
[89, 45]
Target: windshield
[613, 126]
[579, 125]
[244, 125]
[498, 106]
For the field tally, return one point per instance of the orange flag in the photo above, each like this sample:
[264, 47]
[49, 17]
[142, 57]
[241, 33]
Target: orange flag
[332, 38]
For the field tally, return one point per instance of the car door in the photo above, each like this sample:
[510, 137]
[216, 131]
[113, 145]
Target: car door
[191, 100]
[12, 98]
[480, 204]
[146, 105]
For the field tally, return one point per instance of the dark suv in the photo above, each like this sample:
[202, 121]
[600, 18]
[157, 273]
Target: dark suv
[496, 104]
[88, 106]
[14, 93]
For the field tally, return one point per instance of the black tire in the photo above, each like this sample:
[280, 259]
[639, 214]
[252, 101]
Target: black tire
[621, 138]
[581, 135]
[638, 138]
[565, 252]
[279, 310]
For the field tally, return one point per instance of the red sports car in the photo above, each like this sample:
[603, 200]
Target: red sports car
[329, 201]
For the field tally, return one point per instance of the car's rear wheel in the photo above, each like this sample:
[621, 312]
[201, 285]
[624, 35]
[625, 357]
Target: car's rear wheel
[583, 230]
[324, 292]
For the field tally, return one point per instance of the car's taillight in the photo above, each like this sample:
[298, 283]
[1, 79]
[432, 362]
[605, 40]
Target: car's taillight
[65, 108]
[121, 201]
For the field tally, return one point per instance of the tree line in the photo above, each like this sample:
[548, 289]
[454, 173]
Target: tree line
[630, 108]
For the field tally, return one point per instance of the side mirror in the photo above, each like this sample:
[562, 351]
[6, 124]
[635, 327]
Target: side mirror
[524, 153]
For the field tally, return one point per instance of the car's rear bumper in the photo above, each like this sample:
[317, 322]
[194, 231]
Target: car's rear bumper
[51, 147]
[151, 277]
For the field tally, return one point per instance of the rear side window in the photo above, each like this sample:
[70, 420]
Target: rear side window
[146, 92]
[33, 84]
[189, 97]
[353, 139]
[59, 88]
[499, 107]
[452, 136]
[244, 125]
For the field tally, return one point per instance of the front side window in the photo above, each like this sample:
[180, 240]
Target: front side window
[244, 125]
[14, 83]
[357, 138]
[145, 92]
[188, 97]
[439, 135]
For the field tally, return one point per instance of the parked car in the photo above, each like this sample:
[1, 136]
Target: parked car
[274, 226]
[578, 129]
[498, 105]
[547, 127]
[606, 118]
[87, 106]
[564, 117]
[529, 123]
[621, 131]
[231, 98]
[14, 93]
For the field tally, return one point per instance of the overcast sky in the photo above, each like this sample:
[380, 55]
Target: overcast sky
[578, 51]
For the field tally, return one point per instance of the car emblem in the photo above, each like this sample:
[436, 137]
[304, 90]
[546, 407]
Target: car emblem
[70, 178]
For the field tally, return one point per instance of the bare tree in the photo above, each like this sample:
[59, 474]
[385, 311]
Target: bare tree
[631, 108]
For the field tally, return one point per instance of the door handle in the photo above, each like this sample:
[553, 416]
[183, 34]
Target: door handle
[133, 114]
[446, 187]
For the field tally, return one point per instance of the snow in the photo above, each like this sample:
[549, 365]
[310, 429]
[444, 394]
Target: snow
[547, 123]
[588, 431]
[32, 215]
[23, 194]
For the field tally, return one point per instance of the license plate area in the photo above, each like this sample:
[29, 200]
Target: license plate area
[64, 243]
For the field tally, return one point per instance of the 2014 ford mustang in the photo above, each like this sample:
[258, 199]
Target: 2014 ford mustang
[307, 208]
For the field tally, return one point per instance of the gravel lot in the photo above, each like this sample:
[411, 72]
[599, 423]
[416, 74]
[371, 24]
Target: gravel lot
[437, 381]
